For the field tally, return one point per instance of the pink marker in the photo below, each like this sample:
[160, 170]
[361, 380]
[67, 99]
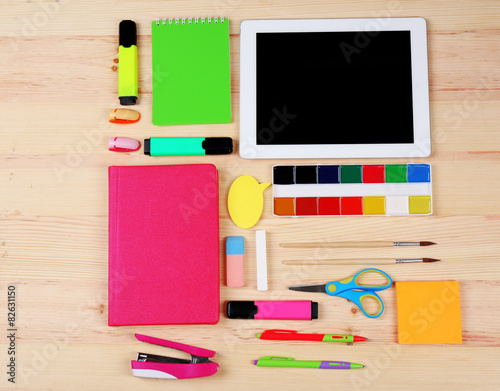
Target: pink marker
[273, 309]
[123, 144]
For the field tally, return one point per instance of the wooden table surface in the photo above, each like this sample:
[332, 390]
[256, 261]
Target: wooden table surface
[58, 81]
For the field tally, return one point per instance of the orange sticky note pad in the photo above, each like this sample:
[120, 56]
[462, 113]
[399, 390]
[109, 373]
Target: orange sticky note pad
[429, 312]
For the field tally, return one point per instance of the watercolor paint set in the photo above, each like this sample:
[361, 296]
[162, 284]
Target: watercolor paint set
[352, 190]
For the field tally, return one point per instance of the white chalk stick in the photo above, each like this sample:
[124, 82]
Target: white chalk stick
[260, 243]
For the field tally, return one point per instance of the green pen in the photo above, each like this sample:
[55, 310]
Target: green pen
[292, 335]
[290, 362]
[127, 70]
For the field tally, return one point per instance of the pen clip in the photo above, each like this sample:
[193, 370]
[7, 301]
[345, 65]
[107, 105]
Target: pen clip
[280, 331]
[277, 358]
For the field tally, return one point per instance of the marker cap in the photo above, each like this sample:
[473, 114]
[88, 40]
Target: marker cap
[127, 33]
[123, 116]
[218, 145]
[123, 144]
[241, 309]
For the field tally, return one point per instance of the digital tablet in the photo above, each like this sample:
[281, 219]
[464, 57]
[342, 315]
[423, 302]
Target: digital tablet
[334, 88]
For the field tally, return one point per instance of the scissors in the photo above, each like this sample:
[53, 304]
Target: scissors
[351, 290]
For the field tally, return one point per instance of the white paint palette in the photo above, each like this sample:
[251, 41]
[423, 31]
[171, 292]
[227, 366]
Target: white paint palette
[352, 190]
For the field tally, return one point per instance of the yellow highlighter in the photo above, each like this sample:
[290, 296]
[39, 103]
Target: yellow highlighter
[127, 71]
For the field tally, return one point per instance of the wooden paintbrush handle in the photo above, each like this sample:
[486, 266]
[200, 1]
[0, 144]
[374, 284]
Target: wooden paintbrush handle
[373, 261]
[336, 244]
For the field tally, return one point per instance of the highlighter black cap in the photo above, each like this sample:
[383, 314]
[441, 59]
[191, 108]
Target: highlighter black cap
[217, 145]
[128, 33]
[241, 309]
[314, 310]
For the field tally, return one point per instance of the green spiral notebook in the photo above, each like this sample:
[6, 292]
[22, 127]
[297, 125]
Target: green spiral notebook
[191, 77]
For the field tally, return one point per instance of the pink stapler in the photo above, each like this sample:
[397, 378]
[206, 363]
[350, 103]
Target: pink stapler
[161, 367]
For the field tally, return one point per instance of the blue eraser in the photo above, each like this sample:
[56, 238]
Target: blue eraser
[235, 245]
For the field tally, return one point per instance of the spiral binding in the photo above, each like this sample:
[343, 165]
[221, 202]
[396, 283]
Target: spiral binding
[196, 20]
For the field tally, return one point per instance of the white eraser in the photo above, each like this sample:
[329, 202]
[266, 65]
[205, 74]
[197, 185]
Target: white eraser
[260, 244]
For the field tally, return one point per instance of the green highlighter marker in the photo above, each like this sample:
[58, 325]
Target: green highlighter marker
[188, 146]
[127, 70]
[290, 362]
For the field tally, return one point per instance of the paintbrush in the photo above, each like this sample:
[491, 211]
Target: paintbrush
[353, 244]
[372, 261]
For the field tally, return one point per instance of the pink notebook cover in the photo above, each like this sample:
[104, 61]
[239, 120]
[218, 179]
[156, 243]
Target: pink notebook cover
[163, 245]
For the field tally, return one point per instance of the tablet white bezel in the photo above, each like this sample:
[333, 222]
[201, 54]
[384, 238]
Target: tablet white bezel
[249, 149]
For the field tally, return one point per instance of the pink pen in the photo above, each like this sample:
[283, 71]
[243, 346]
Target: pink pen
[123, 144]
[273, 309]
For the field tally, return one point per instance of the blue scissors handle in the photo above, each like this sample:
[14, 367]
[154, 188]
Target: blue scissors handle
[335, 287]
[357, 297]
[352, 290]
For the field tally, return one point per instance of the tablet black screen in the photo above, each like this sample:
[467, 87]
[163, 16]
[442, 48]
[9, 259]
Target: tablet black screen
[334, 88]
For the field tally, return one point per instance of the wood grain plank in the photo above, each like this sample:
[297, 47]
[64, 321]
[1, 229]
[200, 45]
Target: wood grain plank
[390, 369]
[83, 303]
[58, 248]
[452, 59]
[454, 177]
[461, 131]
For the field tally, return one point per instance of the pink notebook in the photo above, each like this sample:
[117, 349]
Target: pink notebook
[163, 245]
